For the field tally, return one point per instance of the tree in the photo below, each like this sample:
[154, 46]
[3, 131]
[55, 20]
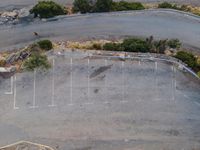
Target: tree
[103, 5]
[83, 6]
[47, 9]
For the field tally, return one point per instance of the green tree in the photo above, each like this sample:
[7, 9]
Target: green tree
[187, 58]
[47, 9]
[103, 5]
[83, 6]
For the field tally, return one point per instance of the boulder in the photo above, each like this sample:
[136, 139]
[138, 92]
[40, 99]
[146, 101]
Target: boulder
[12, 14]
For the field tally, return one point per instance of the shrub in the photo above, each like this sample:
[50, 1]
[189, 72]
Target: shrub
[135, 45]
[122, 6]
[103, 6]
[167, 5]
[174, 43]
[112, 46]
[83, 6]
[187, 58]
[45, 44]
[36, 60]
[47, 9]
[160, 46]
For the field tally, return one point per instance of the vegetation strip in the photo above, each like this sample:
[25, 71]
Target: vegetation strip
[49, 9]
[34, 56]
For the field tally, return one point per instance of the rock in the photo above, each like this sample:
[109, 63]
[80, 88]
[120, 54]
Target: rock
[13, 14]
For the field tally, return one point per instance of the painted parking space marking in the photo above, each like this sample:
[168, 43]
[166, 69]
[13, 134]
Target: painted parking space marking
[11, 87]
[34, 90]
[15, 93]
[53, 85]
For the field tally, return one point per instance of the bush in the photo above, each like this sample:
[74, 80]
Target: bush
[160, 46]
[174, 43]
[167, 5]
[45, 44]
[47, 9]
[83, 6]
[112, 46]
[187, 58]
[135, 45]
[103, 6]
[122, 6]
[36, 60]
[88, 6]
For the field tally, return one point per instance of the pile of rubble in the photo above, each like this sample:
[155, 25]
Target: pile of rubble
[12, 17]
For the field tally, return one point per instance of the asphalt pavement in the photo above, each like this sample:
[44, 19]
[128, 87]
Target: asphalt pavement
[159, 23]
[102, 103]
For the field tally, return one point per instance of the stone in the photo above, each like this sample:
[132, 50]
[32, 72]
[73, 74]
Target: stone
[13, 14]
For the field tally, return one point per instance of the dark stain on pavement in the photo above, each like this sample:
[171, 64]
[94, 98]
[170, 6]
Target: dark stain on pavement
[100, 70]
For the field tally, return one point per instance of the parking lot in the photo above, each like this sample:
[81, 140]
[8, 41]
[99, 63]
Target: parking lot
[86, 101]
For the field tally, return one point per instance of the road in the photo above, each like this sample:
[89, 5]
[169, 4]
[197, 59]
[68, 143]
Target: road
[102, 104]
[159, 23]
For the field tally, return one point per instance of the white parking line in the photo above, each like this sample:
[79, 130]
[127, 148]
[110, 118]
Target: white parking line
[105, 85]
[34, 90]
[71, 82]
[173, 82]
[88, 80]
[123, 85]
[156, 82]
[15, 93]
[11, 87]
[53, 86]
[156, 66]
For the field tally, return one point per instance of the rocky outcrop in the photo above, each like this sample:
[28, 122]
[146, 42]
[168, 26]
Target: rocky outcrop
[11, 17]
